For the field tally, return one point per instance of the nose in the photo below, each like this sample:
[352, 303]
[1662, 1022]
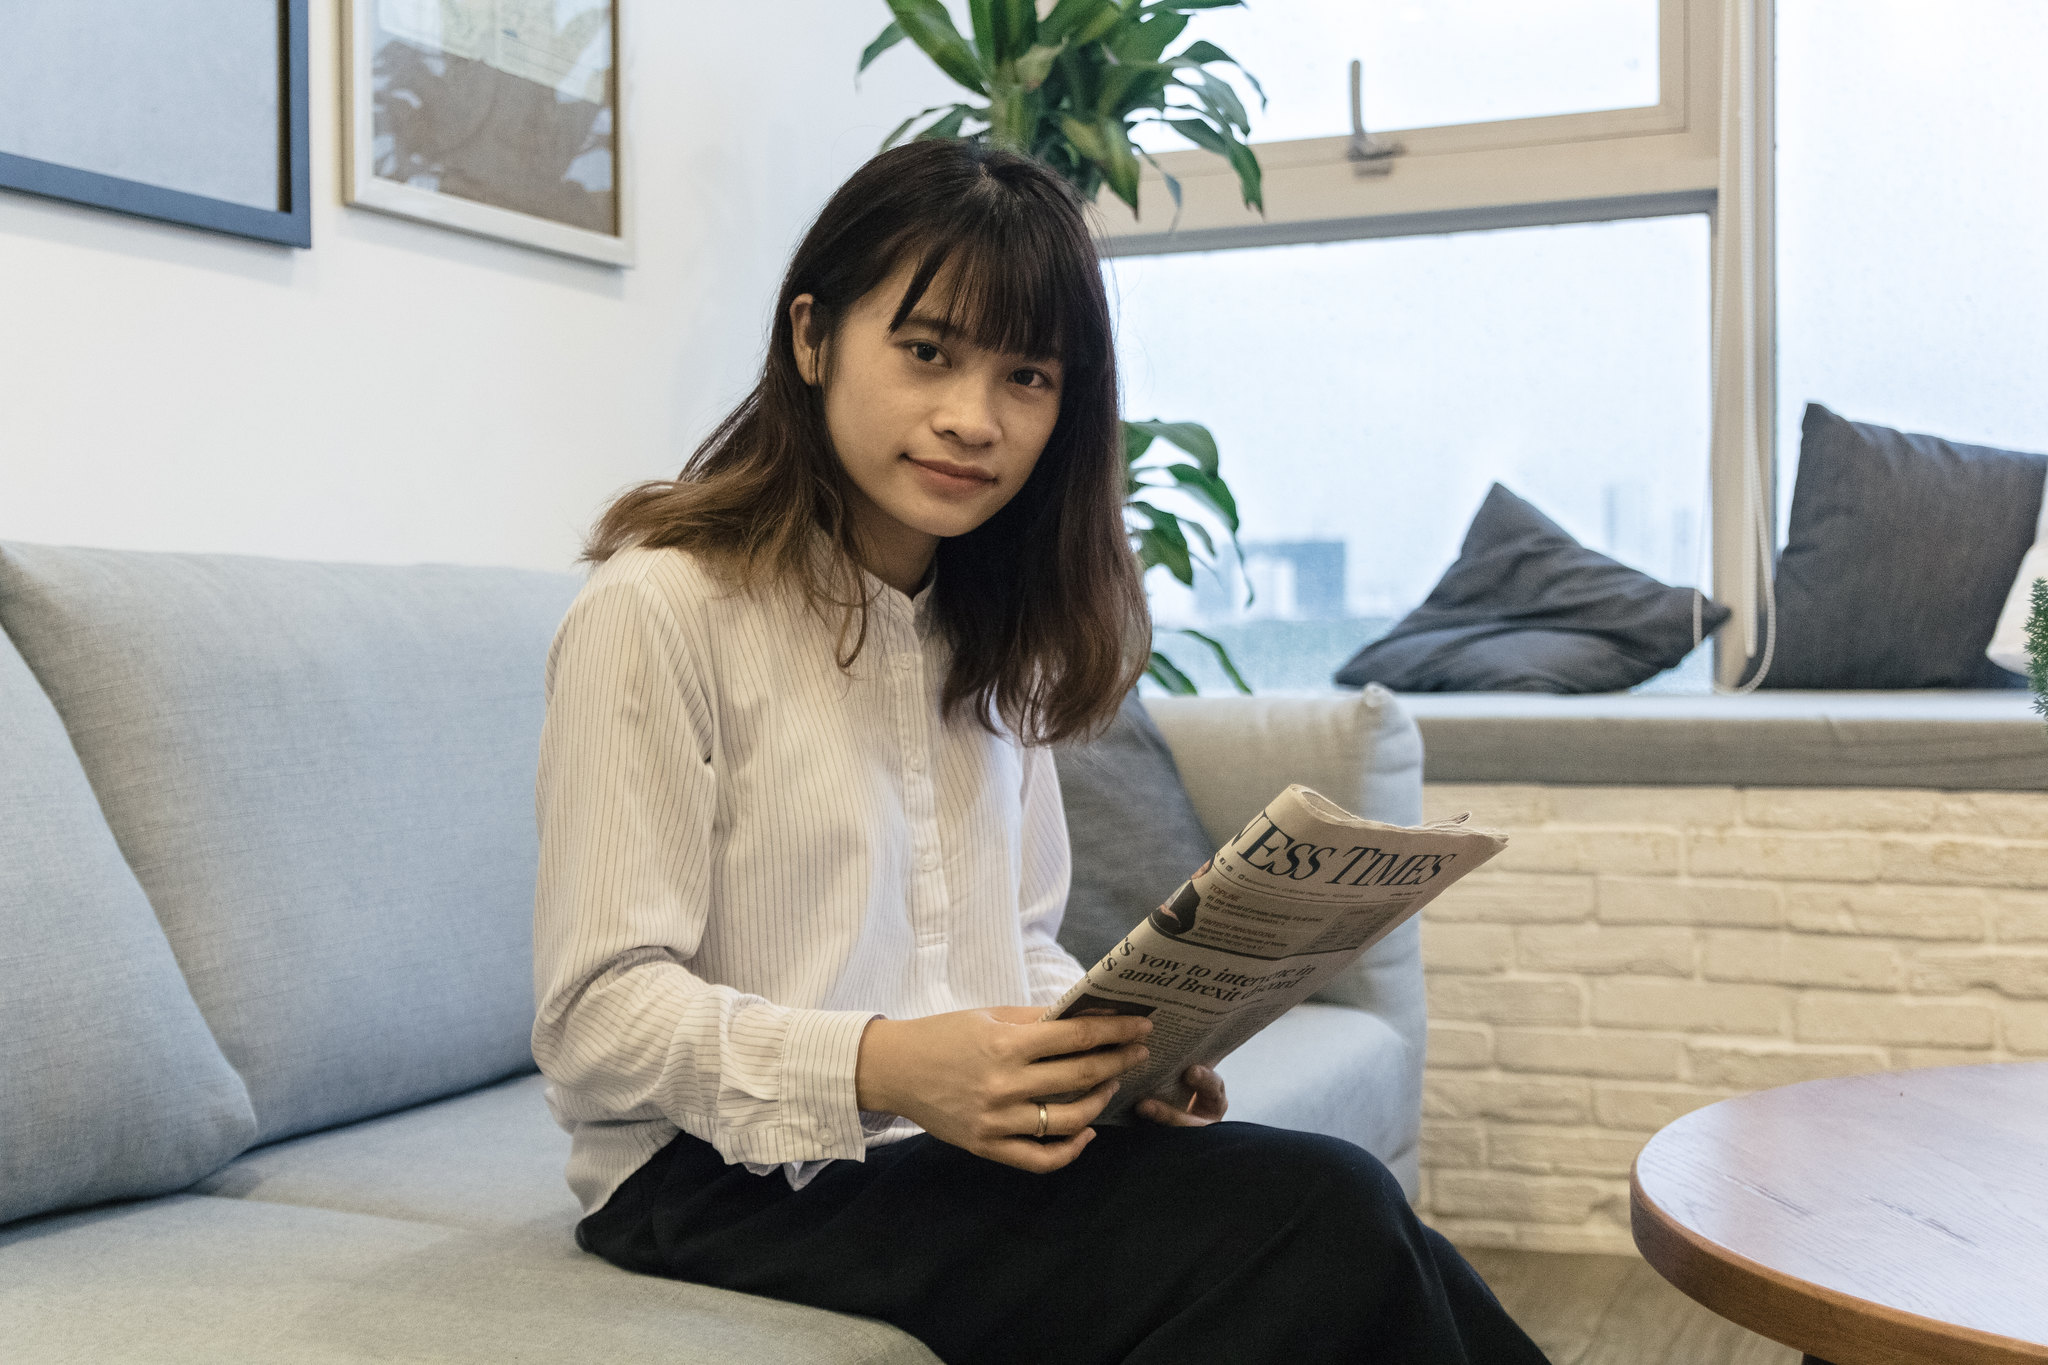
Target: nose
[967, 411]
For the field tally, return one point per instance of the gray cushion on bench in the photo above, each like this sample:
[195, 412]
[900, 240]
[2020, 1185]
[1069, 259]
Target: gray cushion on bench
[110, 1085]
[323, 776]
[1955, 740]
[189, 1280]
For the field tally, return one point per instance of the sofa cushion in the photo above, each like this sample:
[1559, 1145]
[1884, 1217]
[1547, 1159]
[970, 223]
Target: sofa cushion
[1134, 832]
[188, 1280]
[112, 1086]
[492, 1159]
[1324, 1068]
[1900, 553]
[1527, 608]
[323, 777]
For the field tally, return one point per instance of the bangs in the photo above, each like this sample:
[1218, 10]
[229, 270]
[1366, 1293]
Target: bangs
[1014, 292]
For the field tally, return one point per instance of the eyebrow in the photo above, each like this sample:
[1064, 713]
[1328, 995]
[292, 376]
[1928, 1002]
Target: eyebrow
[947, 332]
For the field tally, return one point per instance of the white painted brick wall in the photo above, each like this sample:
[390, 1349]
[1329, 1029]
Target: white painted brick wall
[1638, 952]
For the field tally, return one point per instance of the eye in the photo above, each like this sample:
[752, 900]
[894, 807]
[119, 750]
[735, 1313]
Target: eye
[1042, 375]
[916, 346]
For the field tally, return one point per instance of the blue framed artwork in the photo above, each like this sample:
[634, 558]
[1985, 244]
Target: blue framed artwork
[185, 111]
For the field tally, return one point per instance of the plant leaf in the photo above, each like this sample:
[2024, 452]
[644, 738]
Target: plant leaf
[1223, 658]
[887, 39]
[1202, 50]
[1016, 26]
[1068, 13]
[1162, 671]
[1145, 39]
[1172, 185]
[946, 129]
[1192, 437]
[1137, 440]
[890, 141]
[926, 23]
[1036, 65]
[1207, 489]
[2037, 645]
[1215, 93]
[984, 27]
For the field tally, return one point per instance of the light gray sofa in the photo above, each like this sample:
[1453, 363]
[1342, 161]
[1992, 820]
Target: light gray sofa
[267, 855]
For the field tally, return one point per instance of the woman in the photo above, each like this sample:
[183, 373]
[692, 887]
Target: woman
[803, 855]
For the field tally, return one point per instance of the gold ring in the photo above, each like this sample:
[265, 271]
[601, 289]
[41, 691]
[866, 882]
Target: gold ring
[1042, 1119]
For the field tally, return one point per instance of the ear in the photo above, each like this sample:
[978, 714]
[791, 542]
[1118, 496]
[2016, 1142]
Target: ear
[806, 353]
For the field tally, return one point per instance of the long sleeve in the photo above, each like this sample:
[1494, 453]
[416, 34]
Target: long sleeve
[1046, 873]
[625, 801]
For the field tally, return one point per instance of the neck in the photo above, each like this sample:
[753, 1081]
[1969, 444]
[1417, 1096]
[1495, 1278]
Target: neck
[899, 555]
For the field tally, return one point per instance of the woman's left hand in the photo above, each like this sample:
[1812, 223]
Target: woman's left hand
[1205, 1106]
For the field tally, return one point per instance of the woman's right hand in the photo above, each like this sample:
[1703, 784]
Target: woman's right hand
[973, 1077]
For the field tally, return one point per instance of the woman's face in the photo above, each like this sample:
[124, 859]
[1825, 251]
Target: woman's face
[935, 433]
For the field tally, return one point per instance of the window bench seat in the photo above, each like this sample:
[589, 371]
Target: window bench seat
[1953, 740]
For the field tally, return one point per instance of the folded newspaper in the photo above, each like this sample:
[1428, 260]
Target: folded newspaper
[1293, 900]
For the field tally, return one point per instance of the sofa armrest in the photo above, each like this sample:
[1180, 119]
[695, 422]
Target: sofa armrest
[1361, 750]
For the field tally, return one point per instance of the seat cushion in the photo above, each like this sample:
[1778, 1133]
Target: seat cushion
[1326, 1068]
[323, 777]
[492, 1159]
[188, 1280]
[112, 1085]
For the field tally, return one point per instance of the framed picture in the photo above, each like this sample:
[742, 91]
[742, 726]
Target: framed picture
[497, 117]
[187, 111]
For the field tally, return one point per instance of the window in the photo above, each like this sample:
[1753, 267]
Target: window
[1433, 63]
[1365, 394]
[1911, 193]
[1523, 294]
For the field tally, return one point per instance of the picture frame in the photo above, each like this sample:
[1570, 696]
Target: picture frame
[190, 115]
[501, 118]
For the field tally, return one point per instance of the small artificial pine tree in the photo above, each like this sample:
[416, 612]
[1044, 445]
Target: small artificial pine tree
[2037, 645]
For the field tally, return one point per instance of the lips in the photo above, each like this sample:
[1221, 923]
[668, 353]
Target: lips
[963, 475]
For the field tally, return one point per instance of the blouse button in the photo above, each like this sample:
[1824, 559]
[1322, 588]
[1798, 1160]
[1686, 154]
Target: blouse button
[929, 862]
[904, 662]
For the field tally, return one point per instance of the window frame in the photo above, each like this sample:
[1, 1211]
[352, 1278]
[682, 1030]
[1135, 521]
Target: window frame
[1651, 161]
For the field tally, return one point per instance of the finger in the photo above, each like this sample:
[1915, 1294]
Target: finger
[1208, 1101]
[1058, 1036]
[1061, 1120]
[1160, 1112]
[1037, 1157]
[1062, 1075]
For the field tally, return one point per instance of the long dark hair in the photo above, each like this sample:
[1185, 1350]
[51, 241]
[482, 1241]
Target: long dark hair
[1042, 603]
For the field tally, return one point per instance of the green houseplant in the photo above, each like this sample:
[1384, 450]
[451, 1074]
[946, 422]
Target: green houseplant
[2037, 645]
[1065, 83]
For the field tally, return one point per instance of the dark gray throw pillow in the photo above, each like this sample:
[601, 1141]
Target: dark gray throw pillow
[1134, 832]
[1899, 556]
[1526, 608]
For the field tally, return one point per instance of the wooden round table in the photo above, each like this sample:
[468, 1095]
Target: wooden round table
[1869, 1220]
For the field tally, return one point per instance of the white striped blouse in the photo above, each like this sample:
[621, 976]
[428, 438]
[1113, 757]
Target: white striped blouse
[747, 853]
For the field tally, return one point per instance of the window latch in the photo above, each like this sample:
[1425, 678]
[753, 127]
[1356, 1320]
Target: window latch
[1369, 154]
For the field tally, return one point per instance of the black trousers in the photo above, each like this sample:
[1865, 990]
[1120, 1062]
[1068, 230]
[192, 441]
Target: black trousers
[1234, 1243]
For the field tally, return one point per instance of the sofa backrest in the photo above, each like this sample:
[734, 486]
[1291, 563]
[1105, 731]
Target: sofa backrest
[1361, 750]
[111, 1087]
[322, 776]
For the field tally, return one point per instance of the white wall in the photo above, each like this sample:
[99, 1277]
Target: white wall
[401, 392]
